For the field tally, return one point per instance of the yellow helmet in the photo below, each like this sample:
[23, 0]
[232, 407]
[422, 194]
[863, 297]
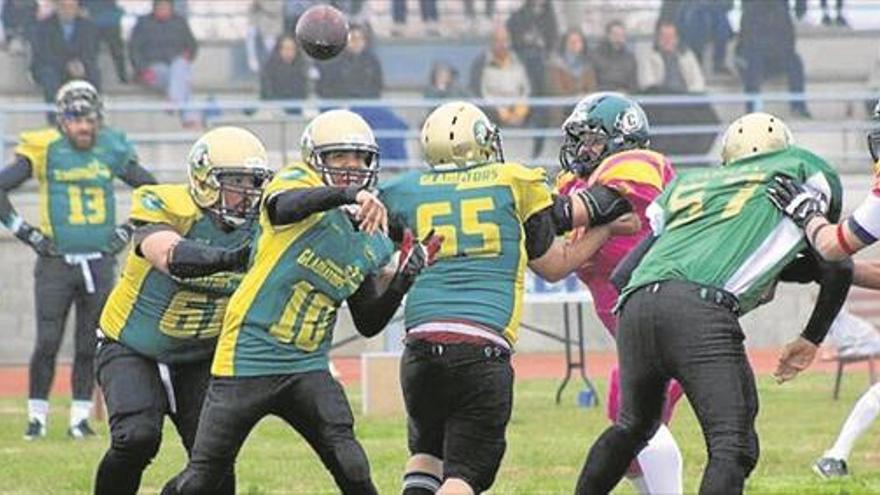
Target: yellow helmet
[754, 134]
[228, 164]
[458, 135]
[341, 131]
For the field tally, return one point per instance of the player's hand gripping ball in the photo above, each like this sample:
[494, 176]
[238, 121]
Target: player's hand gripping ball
[322, 31]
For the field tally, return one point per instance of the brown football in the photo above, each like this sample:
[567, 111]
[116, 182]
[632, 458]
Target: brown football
[322, 31]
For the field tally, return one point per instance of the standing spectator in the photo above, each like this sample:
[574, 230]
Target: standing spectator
[285, 75]
[399, 11]
[767, 45]
[19, 17]
[471, 11]
[265, 27]
[443, 83]
[703, 21]
[355, 73]
[498, 73]
[107, 14]
[800, 10]
[570, 71]
[671, 67]
[65, 47]
[616, 66]
[293, 9]
[74, 162]
[162, 48]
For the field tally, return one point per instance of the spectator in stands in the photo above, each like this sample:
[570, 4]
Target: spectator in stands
[616, 66]
[285, 75]
[471, 11]
[399, 11]
[533, 35]
[444, 83]
[19, 18]
[800, 10]
[570, 72]
[295, 8]
[498, 73]
[265, 27]
[107, 15]
[65, 47]
[767, 46]
[355, 73]
[703, 21]
[162, 48]
[670, 67]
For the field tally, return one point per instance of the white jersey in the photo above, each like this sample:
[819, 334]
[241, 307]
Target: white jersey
[865, 221]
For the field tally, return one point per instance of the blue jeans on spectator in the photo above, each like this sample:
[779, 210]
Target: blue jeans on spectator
[701, 24]
[175, 80]
[759, 64]
[399, 10]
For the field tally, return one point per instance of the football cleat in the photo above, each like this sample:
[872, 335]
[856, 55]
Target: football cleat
[828, 468]
[80, 430]
[35, 429]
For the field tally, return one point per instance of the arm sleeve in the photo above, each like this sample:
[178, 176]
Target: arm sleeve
[136, 175]
[540, 231]
[370, 310]
[623, 271]
[834, 279]
[10, 178]
[295, 205]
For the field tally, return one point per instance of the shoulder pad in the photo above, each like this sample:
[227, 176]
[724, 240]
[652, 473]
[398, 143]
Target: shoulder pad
[171, 204]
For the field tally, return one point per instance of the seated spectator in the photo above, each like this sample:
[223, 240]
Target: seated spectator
[285, 75]
[570, 72]
[615, 63]
[767, 46]
[19, 18]
[162, 48]
[498, 73]
[444, 83]
[65, 46]
[670, 67]
[355, 73]
[265, 27]
[107, 15]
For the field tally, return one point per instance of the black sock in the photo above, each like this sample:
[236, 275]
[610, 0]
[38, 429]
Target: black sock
[420, 483]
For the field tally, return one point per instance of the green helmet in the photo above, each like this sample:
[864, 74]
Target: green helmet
[600, 125]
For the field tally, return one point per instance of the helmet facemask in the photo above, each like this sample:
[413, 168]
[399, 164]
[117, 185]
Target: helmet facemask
[583, 148]
[239, 193]
[874, 136]
[347, 164]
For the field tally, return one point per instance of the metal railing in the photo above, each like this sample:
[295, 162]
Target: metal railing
[238, 110]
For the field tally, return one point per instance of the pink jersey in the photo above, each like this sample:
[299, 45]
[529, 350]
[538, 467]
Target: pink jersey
[640, 175]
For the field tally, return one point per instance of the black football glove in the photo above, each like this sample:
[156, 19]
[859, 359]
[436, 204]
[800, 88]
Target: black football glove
[120, 238]
[794, 200]
[604, 204]
[35, 238]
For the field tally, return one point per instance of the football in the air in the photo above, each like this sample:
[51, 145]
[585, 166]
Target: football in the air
[322, 31]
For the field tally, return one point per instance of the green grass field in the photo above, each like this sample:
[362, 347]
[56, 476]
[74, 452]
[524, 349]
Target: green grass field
[547, 444]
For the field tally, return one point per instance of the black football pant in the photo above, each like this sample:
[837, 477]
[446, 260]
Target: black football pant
[58, 286]
[312, 403]
[680, 330]
[137, 402]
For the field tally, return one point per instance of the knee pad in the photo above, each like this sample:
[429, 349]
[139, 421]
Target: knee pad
[140, 440]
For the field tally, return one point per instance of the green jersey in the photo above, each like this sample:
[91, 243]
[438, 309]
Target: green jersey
[480, 212]
[77, 204]
[717, 227]
[280, 320]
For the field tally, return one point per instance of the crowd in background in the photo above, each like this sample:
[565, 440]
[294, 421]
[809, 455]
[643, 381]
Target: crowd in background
[528, 54]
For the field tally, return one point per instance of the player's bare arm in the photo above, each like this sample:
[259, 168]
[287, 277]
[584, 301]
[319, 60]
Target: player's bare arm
[834, 279]
[866, 273]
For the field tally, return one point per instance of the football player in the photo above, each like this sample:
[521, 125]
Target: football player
[320, 244]
[605, 142]
[496, 218]
[74, 163]
[160, 324]
[717, 250]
